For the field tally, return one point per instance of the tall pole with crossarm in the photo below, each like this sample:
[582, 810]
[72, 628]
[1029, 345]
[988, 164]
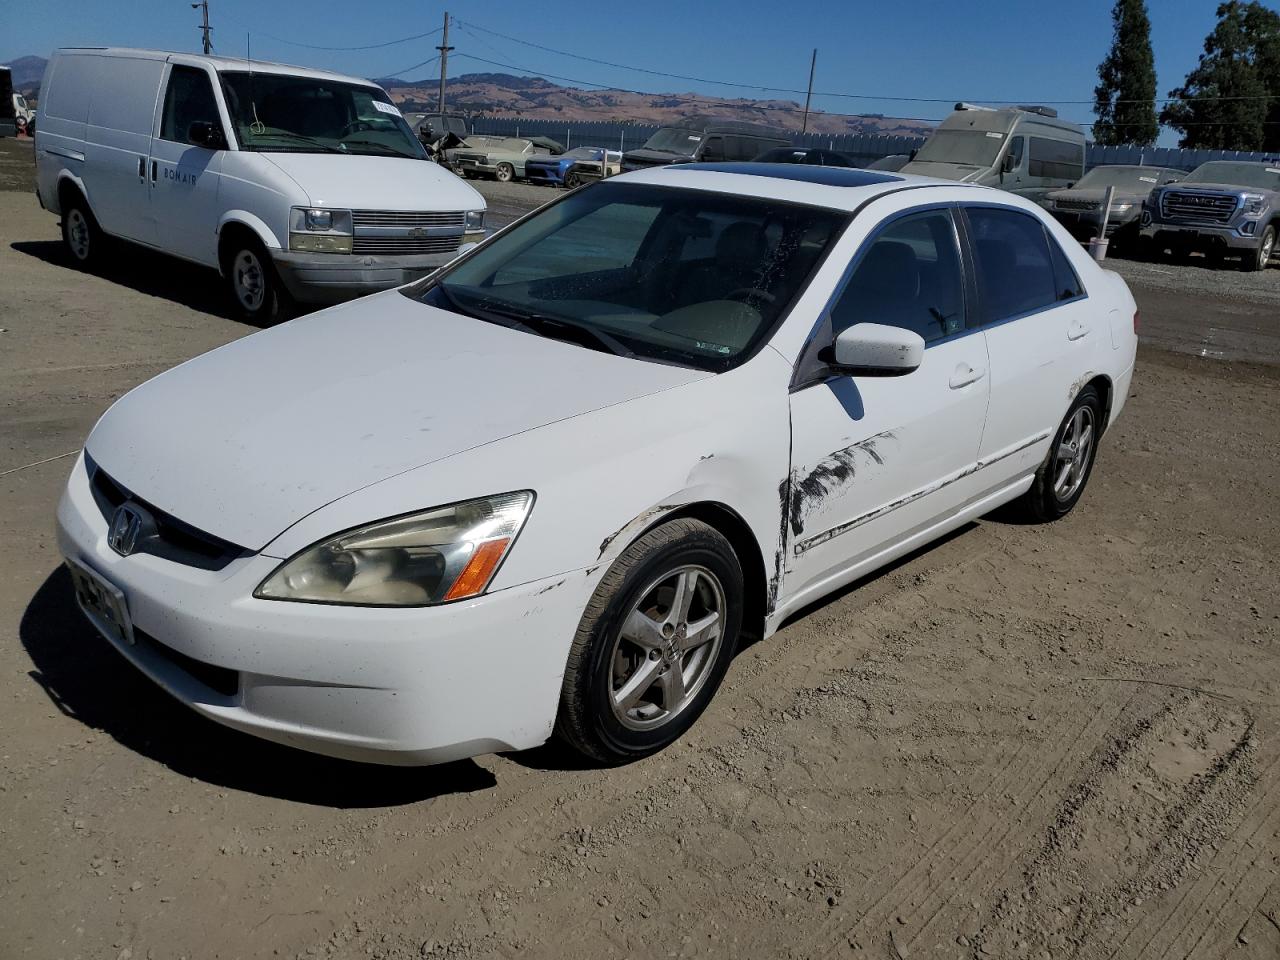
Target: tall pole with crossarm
[203, 7]
[444, 49]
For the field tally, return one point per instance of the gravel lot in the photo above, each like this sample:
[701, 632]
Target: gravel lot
[1023, 741]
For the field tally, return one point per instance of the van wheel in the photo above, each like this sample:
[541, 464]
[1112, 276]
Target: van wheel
[653, 644]
[81, 234]
[505, 172]
[256, 291]
[1061, 479]
[1258, 259]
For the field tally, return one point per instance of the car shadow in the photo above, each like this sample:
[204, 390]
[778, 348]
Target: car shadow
[86, 679]
[146, 271]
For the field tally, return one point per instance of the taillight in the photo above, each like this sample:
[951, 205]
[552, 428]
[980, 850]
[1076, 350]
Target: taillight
[1135, 323]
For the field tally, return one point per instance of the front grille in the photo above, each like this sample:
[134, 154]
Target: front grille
[406, 219]
[173, 539]
[1078, 204]
[1197, 207]
[218, 679]
[404, 246]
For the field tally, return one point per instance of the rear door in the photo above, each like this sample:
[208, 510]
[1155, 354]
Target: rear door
[122, 95]
[184, 176]
[877, 460]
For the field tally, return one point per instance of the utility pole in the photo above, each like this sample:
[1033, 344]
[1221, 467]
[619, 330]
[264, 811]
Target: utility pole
[205, 28]
[813, 65]
[444, 49]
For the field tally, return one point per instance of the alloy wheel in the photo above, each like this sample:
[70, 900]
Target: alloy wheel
[1075, 448]
[666, 647]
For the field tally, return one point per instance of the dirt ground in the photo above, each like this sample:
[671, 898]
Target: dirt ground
[1024, 741]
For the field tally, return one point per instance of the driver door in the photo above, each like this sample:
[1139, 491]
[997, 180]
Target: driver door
[878, 460]
[184, 176]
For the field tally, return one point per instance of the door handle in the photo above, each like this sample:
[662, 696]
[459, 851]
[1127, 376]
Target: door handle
[965, 375]
[1077, 329]
[153, 171]
[142, 167]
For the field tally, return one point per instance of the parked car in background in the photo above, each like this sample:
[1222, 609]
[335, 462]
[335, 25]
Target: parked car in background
[8, 120]
[892, 163]
[24, 116]
[291, 183]
[502, 158]
[666, 411]
[1222, 207]
[1025, 150]
[1079, 208]
[431, 128]
[700, 138]
[574, 167]
[810, 155]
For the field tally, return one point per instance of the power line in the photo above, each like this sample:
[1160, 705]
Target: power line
[400, 73]
[368, 46]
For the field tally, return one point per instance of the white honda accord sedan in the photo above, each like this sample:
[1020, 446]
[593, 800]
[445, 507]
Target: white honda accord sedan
[552, 487]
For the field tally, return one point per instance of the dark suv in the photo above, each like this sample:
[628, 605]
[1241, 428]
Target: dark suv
[706, 140]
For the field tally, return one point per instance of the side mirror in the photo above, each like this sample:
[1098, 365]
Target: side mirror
[875, 350]
[202, 133]
[1009, 162]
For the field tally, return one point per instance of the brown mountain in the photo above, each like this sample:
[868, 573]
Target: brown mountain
[504, 95]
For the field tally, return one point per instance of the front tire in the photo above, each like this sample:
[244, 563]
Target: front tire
[256, 291]
[1259, 258]
[505, 173]
[653, 644]
[81, 234]
[1061, 479]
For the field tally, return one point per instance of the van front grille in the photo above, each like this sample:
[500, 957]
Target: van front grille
[406, 219]
[404, 246]
[1197, 207]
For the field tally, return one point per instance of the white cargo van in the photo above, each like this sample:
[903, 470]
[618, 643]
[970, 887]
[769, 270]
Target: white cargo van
[292, 183]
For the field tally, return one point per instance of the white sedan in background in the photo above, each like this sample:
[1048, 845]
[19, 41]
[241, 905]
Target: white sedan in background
[552, 487]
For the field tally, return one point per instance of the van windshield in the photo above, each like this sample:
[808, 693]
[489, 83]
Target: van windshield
[1266, 176]
[679, 140]
[274, 112]
[974, 148]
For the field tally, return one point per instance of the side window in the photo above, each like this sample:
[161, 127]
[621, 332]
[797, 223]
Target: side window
[909, 276]
[1068, 282]
[188, 100]
[1015, 270]
[1056, 160]
[713, 150]
[1013, 159]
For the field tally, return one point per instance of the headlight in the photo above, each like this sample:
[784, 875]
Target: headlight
[475, 221]
[1121, 207]
[315, 230]
[1253, 203]
[435, 556]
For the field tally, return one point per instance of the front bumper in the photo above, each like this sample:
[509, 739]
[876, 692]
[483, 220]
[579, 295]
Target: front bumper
[543, 175]
[330, 277]
[397, 686]
[1084, 224]
[464, 166]
[1199, 237]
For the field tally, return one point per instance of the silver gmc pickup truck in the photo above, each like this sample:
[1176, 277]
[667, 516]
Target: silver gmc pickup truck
[1224, 207]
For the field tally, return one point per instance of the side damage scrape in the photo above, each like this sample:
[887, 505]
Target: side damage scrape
[829, 475]
[780, 554]
[636, 522]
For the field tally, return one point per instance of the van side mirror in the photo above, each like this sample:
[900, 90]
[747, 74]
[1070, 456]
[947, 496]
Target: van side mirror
[1009, 162]
[875, 350]
[202, 133]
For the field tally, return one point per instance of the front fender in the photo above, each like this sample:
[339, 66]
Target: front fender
[254, 223]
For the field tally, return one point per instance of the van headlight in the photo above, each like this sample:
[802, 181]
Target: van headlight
[435, 556]
[318, 230]
[474, 230]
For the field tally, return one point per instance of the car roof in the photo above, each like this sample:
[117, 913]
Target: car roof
[840, 188]
[217, 62]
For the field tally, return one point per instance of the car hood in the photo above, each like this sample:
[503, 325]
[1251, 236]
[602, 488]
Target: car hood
[1098, 195]
[1216, 187]
[246, 440]
[649, 156]
[376, 183]
[943, 171]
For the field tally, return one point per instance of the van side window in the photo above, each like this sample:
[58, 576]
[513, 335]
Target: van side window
[1068, 281]
[188, 100]
[1056, 159]
[1014, 266]
[910, 277]
[714, 149]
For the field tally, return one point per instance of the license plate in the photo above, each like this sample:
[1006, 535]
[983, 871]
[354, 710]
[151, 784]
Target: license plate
[102, 603]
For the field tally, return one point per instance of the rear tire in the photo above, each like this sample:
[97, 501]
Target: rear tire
[257, 295]
[654, 643]
[505, 173]
[1061, 479]
[81, 234]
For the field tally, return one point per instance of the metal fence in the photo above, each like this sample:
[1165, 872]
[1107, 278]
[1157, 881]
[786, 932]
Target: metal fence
[861, 147]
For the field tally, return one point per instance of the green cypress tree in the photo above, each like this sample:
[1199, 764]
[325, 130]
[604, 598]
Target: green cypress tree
[1125, 98]
[1228, 100]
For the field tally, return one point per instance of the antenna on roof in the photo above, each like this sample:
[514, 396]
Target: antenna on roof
[257, 128]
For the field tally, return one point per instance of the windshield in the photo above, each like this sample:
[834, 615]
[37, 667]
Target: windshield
[974, 148]
[1128, 178]
[680, 276]
[679, 140]
[1262, 175]
[276, 112]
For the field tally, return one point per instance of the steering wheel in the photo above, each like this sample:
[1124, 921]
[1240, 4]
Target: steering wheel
[750, 293]
[354, 127]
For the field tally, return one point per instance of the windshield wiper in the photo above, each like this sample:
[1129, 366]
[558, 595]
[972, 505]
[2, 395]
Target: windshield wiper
[557, 329]
[286, 134]
[383, 149]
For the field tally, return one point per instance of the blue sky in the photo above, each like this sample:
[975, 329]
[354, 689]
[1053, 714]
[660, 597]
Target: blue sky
[1018, 50]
